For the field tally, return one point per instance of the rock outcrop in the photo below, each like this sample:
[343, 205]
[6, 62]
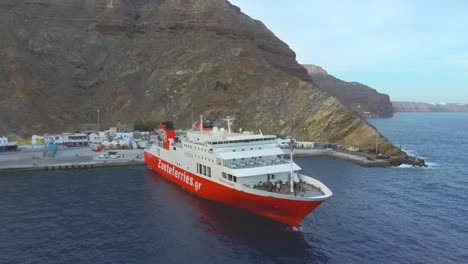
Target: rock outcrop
[158, 60]
[425, 107]
[360, 98]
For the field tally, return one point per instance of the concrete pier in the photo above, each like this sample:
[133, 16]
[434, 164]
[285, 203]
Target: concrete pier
[67, 158]
[357, 157]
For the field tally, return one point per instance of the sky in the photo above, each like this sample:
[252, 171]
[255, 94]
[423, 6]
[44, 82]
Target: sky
[412, 50]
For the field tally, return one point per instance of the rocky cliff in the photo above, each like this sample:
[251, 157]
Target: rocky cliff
[425, 107]
[155, 60]
[358, 97]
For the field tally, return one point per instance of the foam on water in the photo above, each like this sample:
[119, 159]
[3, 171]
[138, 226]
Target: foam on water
[432, 164]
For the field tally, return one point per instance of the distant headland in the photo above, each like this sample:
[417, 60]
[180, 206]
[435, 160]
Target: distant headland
[428, 107]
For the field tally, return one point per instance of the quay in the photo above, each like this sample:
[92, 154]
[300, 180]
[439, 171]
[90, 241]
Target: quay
[68, 158]
[85, 157]
[356, 157]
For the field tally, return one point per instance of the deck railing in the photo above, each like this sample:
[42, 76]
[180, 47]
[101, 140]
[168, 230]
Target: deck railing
[254, 164]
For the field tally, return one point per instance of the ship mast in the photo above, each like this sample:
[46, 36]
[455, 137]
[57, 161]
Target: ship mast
[201, 123]
[292, 166]
[229, 120]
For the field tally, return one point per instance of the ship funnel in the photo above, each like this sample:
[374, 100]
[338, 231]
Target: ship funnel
[168, 135]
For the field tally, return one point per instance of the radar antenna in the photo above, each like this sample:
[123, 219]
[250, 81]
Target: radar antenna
[229, 120]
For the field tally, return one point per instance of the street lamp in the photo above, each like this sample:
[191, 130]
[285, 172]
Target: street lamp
[99, 136]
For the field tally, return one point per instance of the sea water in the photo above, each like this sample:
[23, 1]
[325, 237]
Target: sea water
[133, 215]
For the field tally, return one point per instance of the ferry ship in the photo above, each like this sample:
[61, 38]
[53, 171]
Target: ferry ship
[242, 170]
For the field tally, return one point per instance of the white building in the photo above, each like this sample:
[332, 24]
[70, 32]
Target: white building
[305, 144]
[125, 137]
[76, 139]
[112, 131]
[94, 138]
[3, 141]
[283, 143]
[55, 139]
[35, 139]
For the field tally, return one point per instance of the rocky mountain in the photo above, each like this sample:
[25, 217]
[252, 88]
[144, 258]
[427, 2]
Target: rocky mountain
[426, 107]
[359, 97]
[139, 60]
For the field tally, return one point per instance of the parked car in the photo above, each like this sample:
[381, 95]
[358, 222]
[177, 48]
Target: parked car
[103, 156]
[115, 156]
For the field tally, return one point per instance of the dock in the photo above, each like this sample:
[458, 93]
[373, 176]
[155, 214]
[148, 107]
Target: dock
[67, 158]
[356, 157]
[85, 157]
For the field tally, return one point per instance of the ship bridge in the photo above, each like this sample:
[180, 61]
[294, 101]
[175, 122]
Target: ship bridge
[221, 138]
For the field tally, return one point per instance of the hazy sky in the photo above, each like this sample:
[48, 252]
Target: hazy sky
[412, 50]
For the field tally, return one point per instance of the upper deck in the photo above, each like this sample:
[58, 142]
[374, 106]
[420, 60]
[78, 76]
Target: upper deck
[221, 138]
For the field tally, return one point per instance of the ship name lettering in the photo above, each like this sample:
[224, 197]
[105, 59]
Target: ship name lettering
[182, 176]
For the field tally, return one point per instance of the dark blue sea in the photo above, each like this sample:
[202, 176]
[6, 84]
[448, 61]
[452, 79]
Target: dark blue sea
[133, 215]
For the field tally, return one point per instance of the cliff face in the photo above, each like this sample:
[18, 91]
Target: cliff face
[156, 60]
[425, 107]
[359, 97]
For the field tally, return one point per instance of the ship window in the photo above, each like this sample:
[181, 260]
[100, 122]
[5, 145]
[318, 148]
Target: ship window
[234, 178]
[204, 170]
[242, 149]
[233, 150]
[230, 177]
[224, 175]
[199, 168]
[208, 170]
[251, 148]
[272, 176]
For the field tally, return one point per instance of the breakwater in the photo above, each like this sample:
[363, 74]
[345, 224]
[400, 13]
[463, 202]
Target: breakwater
[356, 157]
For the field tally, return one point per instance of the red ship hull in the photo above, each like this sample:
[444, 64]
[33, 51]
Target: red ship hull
[287, 211]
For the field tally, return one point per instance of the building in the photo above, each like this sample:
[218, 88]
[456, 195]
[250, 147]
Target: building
[112, 131]
[7, 146]
[37, 140]
[75, 139]
[3, 141]
[94, 138]
[125, 137]
[305, 144]
[283, 143]
[54, 139]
